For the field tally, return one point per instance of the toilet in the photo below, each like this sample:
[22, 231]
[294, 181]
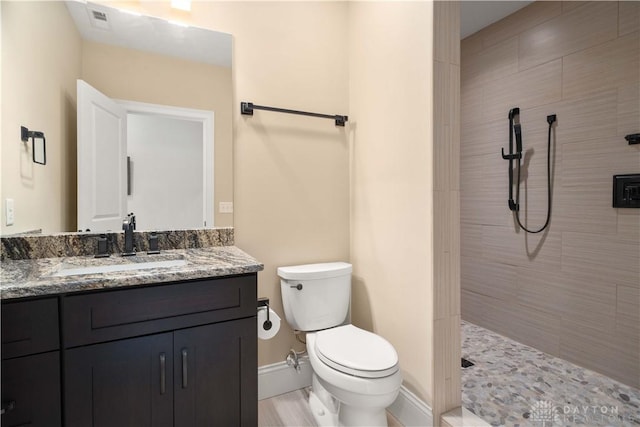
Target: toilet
[356, 374]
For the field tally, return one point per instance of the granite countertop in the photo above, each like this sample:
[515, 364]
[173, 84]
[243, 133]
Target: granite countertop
[44, 276]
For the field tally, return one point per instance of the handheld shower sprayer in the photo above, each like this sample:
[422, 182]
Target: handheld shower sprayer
[513, 113]
[516, 129]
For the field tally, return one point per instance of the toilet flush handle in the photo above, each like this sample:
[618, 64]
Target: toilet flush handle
[298, 286]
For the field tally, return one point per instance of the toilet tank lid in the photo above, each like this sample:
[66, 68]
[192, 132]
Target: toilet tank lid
[315, 271]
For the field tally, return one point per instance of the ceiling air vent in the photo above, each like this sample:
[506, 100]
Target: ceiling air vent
[100, 16]
[99, 19]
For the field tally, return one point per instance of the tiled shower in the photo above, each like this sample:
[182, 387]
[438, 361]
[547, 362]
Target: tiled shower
[573, 290]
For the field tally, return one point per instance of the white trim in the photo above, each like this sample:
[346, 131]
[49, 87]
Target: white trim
[279, 378]
[410, 410]
[462, 417]
[207, 119]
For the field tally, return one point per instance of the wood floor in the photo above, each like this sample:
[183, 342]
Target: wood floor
[291, 410]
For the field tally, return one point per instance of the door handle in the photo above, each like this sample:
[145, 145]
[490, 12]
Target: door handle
[163, 373]
[185, 374]
[7, 406]
[128, 175]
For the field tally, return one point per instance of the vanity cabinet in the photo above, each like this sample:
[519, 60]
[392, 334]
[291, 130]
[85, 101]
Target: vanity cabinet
[180, 354]
[31, 392]
[202, 376]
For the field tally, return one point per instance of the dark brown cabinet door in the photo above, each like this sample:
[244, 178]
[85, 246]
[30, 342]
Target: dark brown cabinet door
[127, 383]
[215, 375]
[31, 391]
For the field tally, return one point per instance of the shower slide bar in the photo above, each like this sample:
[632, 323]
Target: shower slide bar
[515, 130]
[247, 108]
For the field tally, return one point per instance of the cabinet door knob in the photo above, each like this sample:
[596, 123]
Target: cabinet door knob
[7, 406]
[184, 367]
[163, 373]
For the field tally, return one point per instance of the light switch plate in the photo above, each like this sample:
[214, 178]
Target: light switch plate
[9, 211]
[225, 207]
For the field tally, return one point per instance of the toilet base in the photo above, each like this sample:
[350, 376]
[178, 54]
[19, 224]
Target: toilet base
[327, 411]
[321, 414]
[353, 416]
[323, 406]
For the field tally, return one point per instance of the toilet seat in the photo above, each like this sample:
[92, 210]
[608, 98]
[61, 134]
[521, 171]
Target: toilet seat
[356, 352]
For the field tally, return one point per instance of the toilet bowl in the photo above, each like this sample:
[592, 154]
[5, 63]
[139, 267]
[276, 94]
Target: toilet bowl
[363, 386]
[356, 374]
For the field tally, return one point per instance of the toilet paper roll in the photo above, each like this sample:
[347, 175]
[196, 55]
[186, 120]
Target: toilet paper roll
[265, 333]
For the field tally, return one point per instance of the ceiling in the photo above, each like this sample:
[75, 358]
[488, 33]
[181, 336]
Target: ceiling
[475, 15]
[160, 36]
[103, 24]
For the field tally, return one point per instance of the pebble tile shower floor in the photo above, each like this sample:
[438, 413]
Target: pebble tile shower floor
[516, 385]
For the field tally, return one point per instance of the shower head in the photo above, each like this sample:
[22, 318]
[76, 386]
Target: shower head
[518, 131]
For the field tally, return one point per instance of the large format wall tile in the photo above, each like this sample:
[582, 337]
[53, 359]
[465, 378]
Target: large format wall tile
[536, 14]
[541, 251]
[605, 66]
[587, 118]
[537, 86]
[574, 289]
[627, 313]
[492, 63]
[629, 17]
[491, 279]
[614, 355]
[570, 32]
[629, 223]
[585, 209]
[603, 258]
[484, 138]
[628, 116]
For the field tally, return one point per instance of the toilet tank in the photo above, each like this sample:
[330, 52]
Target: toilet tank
[316, 296]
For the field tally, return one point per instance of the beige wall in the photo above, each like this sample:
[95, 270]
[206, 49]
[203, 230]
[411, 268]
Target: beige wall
[157, 79]
[305, 189]
[390, 66]
[39, 92]
[573, 291]
[291, 173]
[293, 192]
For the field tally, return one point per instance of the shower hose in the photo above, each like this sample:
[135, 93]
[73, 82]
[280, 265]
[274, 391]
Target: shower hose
[550, 120]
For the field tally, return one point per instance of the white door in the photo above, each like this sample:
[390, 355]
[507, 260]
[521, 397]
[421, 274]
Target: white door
[102, 161]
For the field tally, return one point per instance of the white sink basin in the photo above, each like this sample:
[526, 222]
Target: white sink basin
[74, 270]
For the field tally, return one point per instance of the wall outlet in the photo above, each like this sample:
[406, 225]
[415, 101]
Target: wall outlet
[9, 211]
[225, 207]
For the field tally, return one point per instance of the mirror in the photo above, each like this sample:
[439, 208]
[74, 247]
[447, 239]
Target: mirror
[135, 59]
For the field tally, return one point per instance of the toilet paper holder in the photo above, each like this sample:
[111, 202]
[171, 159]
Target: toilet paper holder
[264, 302]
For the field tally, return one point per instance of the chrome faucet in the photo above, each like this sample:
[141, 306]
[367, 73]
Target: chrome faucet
[128, 225]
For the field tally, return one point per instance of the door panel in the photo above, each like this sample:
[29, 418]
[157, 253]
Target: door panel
[31, 391]
[102, 168]
[213, 364]
[127, 383]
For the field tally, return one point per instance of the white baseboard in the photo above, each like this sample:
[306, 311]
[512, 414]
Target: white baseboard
[279, 378]
[410, 410]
